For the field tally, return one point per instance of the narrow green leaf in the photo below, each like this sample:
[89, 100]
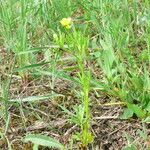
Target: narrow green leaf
[30, 66]
[34, 98]
[35, 49]
[60, 74]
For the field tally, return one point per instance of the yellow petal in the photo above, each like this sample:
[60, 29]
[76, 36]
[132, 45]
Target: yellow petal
[68, 27]
[65, 21]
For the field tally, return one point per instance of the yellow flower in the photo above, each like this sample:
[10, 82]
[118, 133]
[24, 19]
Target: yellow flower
[66, 22]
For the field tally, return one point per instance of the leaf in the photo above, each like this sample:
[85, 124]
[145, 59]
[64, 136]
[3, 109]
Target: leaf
[78, 118]
[66, 110]
[35, 147]
[31, 66]
[142, 134]
[132, 147]
[32, 50]
[34, 98]
[148, 107]
[128, 113]
[144, 55]
[137, 82]
[43, 140]
[77, 136]
[147, 120]
[137, 110]
[59, 74]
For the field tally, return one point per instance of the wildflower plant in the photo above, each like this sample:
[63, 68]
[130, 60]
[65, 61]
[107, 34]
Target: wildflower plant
[78, 45]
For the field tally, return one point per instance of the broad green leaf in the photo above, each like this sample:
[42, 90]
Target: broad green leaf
[128, 113]
[43, 140]
[137, 110]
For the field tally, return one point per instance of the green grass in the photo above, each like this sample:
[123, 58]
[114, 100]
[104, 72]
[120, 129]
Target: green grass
[111, 35]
